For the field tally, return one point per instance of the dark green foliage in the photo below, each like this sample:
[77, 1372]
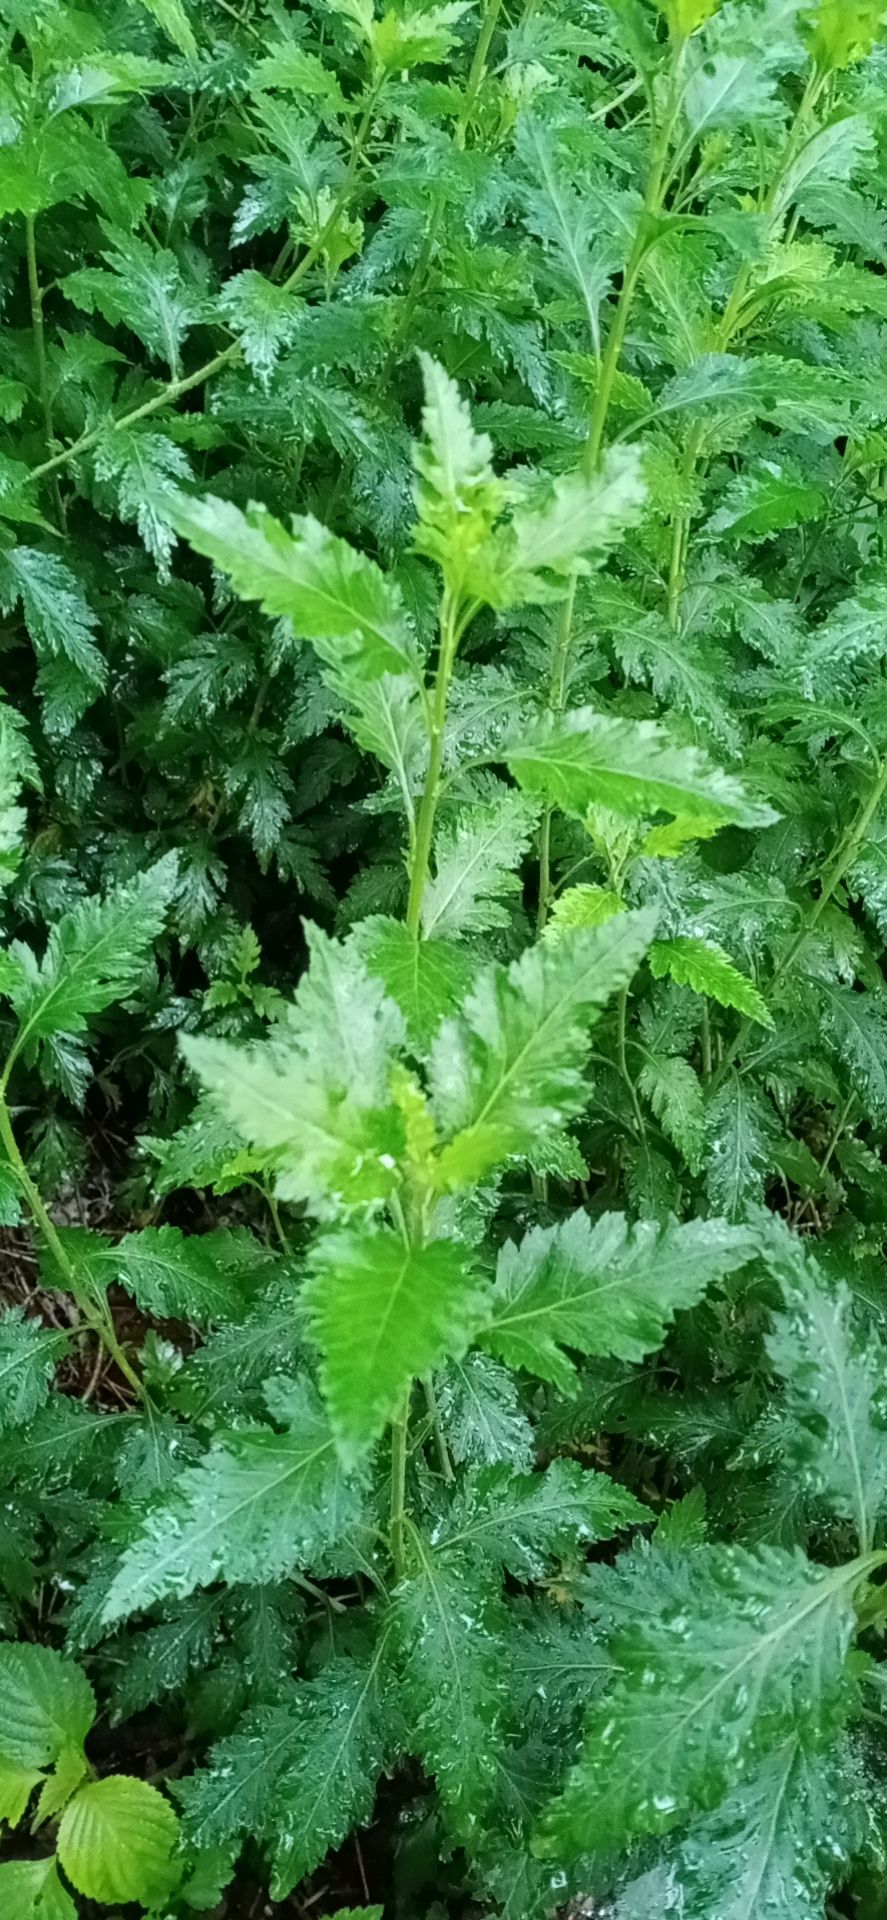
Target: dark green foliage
[443, 1100]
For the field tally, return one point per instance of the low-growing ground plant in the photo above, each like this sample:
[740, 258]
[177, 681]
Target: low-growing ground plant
[443, 842]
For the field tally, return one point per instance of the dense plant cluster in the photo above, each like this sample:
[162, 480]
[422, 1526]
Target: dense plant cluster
[443, 840]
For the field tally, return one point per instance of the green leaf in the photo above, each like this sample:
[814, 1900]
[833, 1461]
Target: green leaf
[855, 1027]
[61, 625]
[564, 222]
[46, 1705]
[29, 1352]
[741, 1136]
[474, 867]
[675, 1093]
[259, 1505]
[602, 1287]
[298, 1775]
[706, 968]
[383, 1314]
[510, 1066]
[780, 1841]
[426, 979]
[718, 1659]
[95, 955]
[575, 518]
[160, 1660]
[140, 471]
[142, 287]
[116, 1841]
[527, 1521]
[358, 1913]
[315, 1099]
[265, 318]
[447, 1619]
[335, 596]
[764, 499]
[205, 1278]
[481, 1415]
[788, 393]
[171, 16]
[583, 759]
[581, 906]
[32, 1890]
[684, 670]
[833, 1435]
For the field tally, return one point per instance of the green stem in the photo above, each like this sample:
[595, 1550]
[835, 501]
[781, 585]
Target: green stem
[705, 1039]
[36, 297]
[174, 389]
[842, 861]
[399, 1486]
[556, 698]
[837, 1131]
[621, 1025]
[100, 1321]
[616, 336]
[443, 1451]
[478, 67]
[449, 641]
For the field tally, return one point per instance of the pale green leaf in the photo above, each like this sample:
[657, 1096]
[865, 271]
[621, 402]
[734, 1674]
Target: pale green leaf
[171, 16]
[563, 526]
[476, 867]
[32, 1890]
[384, 1314]
[718, 1658]
[528, 1521]
[581, 906]
[116, 1841]
[46, 1705]
[583, 759]
[707, 969]
[426, 979]
[511, 1065]
[602, 1287]
[259, 1505]
[336, 597]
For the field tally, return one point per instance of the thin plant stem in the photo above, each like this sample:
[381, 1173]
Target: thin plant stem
[556, 696]
[621, 1026]
[449, 639]
[398, 1486]
[705, 1042]
[36, 297]
[95, 1316]
[443, 1452]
